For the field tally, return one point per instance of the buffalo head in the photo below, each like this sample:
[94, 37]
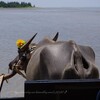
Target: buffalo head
[25, 52]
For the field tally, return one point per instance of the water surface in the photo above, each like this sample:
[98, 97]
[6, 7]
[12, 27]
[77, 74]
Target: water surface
[79, 24]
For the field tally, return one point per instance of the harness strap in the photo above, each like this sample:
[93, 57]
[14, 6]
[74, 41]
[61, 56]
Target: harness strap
[19, 72]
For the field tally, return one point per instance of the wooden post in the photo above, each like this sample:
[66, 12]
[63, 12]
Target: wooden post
[1, 82]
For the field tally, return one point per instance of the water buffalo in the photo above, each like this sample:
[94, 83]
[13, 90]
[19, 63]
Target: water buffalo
[52, 59]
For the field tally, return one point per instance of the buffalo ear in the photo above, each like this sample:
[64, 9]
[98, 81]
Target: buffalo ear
[26, 46]
[56, 37]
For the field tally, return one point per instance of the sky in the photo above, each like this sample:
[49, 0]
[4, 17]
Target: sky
[61, 3]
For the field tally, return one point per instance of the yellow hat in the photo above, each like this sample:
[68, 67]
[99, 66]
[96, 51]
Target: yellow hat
[20, 43]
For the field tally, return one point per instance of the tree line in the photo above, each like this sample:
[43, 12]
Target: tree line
[14, 4]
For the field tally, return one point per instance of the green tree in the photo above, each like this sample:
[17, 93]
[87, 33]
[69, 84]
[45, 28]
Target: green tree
[14, 4]
[2, 4]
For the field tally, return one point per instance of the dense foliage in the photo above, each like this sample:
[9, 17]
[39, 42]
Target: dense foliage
[14, 4]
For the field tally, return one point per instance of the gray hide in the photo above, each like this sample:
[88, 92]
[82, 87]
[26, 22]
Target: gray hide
[62, 60]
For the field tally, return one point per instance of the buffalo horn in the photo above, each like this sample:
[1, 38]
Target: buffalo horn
[56, 37]
[25, 47]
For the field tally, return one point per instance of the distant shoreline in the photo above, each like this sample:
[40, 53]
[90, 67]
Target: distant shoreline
[58, 8]
[16, 5]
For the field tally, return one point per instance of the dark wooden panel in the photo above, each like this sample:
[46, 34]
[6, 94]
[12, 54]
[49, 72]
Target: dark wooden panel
[79, 89]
